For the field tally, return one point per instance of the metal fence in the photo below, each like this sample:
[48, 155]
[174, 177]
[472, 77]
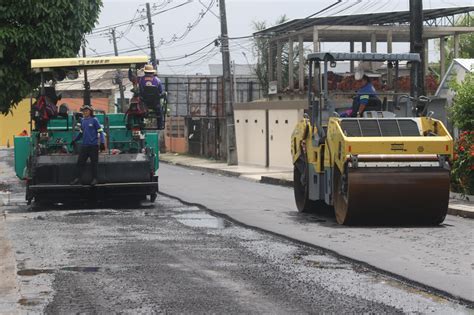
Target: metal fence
[202, 96]
[199, 100]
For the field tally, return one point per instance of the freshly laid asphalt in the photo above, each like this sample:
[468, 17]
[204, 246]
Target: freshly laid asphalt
[437, 257]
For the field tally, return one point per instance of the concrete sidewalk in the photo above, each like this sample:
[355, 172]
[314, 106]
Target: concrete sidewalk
[458, 205]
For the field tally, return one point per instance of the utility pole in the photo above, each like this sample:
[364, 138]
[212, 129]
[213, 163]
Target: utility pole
[229, 109]
[150, 35]
[417, 46]
[87, 86]
[119, 75]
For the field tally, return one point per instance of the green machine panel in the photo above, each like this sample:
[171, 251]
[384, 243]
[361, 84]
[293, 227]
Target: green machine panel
[22, 152]
[153, 141]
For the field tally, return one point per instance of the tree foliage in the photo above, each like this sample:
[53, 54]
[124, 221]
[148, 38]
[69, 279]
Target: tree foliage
[462, 110]
[462, 116]
[31, 29]
[261, 48]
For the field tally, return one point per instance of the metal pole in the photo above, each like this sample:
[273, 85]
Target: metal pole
[119, 75]
[231, 143]
[87, 87]
[150, 35]
[417, 46]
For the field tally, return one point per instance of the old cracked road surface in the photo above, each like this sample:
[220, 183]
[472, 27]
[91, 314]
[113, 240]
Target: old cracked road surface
[168, 257]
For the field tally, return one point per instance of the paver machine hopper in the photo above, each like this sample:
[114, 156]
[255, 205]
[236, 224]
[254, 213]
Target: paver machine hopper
[378, 168]
[47, 159]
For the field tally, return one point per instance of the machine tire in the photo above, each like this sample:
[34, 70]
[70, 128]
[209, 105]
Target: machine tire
[301, 191]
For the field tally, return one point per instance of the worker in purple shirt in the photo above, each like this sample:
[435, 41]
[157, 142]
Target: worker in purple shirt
[149, 79]
[90, 129]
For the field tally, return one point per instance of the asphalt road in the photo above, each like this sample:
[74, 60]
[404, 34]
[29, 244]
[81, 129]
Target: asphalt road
[438, 257]
[168, 257]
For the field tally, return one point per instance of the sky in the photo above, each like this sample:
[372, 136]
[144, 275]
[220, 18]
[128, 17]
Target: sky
[181, 27]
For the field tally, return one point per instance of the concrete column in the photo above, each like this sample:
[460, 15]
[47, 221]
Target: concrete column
[316, 47]
[351, 46]
[389, 41]
[425, 57]
[389, 51]
[279, 66]
[373, 43]
[270, 62]
[301, 63]
[442, 56]
[373, 48]
[291, 66]
[456, 45]
[364, 46]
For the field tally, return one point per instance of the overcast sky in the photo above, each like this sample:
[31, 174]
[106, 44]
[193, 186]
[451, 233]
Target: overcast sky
[240, 14]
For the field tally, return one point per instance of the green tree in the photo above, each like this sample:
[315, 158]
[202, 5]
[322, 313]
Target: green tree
[31, 29]
[261, 46]
[462, 116]
[462, 110]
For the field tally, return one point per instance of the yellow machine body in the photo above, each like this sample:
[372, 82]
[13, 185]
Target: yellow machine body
[369, 174]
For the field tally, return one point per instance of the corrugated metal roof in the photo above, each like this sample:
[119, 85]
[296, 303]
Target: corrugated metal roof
[385, 18]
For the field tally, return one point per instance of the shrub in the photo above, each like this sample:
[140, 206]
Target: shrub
[462, 174]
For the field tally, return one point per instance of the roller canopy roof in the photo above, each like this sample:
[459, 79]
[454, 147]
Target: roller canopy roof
[334, 56]
[87, 63]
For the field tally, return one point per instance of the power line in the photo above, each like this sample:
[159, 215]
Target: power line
[190, 54]
[141, 18]
[189, 28]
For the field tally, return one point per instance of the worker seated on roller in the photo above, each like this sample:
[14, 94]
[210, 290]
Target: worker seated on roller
[150, 92]
[366, 99]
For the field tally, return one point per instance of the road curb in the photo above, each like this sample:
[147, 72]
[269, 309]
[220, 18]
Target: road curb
[276, 181]
[460, 212]
[203, 169]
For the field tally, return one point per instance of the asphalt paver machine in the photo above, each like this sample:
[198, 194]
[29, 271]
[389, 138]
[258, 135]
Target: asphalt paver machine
[379, 168]
[46, 159]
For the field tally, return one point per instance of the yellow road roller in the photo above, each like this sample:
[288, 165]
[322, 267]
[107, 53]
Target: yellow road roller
[387, 165]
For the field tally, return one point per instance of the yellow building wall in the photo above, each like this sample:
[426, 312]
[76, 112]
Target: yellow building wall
[14, 123]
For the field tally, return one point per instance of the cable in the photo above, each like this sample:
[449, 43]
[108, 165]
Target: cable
[189, 55]
[141, 18]
[189, 28]
[141, 48]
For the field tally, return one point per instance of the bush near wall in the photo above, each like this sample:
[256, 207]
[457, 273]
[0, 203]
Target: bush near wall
[462, 116]
[462, 175]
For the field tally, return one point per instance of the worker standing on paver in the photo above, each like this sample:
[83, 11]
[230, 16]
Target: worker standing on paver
[90, 129]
